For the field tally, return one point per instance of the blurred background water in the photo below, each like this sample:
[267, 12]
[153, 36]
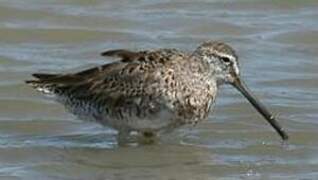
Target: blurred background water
[277, 42]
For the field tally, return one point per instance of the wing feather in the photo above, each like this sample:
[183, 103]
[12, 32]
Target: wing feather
[136, 74]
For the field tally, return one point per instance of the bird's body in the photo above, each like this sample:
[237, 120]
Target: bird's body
[146, 91]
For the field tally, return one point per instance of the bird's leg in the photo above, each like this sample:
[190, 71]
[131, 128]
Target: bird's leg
[123, 137]
[148, 134]
[147, 137]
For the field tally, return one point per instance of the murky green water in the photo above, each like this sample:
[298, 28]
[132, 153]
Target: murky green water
[277, 42]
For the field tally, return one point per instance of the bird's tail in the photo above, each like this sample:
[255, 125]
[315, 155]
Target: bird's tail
[42, 83]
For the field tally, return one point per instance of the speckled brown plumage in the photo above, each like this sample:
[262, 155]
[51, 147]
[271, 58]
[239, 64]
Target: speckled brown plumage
[146, 91]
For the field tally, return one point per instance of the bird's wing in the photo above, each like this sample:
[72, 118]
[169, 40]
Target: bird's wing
[157, 56]
[139, 74]
[124, 54]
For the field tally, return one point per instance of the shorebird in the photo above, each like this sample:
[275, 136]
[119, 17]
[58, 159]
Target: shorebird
[151, 91]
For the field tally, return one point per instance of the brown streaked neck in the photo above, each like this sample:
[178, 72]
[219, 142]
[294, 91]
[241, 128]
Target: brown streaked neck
[198, 64]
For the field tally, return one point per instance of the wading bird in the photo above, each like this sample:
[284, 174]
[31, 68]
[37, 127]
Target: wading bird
[151, 91]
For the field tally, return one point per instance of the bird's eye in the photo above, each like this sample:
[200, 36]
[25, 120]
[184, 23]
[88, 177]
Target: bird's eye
[226, 59]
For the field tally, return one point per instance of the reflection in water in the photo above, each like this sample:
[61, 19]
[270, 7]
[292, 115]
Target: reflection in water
[277, 43]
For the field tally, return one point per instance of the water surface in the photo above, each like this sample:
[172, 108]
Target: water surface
[277, 42]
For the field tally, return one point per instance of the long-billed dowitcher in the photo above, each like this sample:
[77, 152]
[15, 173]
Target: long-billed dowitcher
[151, 91]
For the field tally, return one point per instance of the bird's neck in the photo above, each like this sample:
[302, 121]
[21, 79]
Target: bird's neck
[197, 64]
[202, 65]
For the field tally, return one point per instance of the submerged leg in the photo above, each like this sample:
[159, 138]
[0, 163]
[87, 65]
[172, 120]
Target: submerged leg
[123, 137]
[126, 137]
[147, 137]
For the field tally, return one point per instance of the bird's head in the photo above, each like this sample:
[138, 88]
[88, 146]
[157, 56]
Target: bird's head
[221, 59]
[223, 64]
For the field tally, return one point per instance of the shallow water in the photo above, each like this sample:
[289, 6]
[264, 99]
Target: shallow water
[277, 42]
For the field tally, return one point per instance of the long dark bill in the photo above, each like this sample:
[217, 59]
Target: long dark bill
[238, 84]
